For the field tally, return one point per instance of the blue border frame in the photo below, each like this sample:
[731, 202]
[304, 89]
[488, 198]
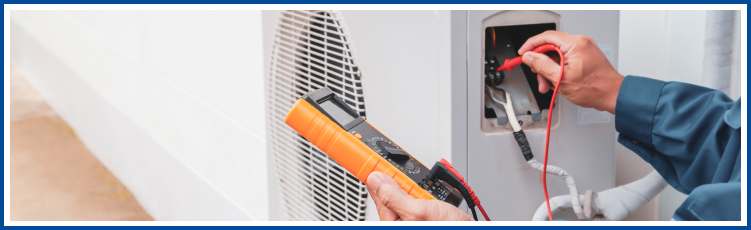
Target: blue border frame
[375, 2]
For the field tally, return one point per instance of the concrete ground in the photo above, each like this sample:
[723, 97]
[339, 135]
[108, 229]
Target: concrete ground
[53, 176]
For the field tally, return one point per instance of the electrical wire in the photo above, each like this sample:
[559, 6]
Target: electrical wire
[494, 99]
[509, 107]
[475, 200]
[492, 85]
[521, 139]
[493, 36]
[509, 64]
[474, 214]
[547, 136]
[483, 212]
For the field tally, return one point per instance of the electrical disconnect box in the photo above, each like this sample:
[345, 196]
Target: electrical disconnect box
[530, 106]
[495, 165]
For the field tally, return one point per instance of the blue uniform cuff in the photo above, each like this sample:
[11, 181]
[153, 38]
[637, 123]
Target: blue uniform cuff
[635, 108]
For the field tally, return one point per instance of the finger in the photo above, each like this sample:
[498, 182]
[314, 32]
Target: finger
[543, 84]
[371, 183]
[384, 213]
[542, 65]
[556, 38]
[392, 197]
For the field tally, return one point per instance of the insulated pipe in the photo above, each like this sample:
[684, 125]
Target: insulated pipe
[615, 203]
[557, 204]
[573, 198]
[718, 49]
[618, 202]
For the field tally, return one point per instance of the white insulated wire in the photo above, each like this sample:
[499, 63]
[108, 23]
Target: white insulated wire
[490, 92]
[509, 110]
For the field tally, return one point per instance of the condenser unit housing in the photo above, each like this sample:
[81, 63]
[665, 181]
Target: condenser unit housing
[422, 76]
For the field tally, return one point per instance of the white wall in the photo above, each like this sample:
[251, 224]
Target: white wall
[170, 101]
[665, 45]
[644, 52]
[738, 75]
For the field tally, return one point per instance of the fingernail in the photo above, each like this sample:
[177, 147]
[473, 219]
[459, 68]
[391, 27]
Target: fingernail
[528, 56]
[374, 180]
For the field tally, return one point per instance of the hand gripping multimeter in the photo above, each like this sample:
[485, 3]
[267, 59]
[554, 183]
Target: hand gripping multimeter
[330, 124]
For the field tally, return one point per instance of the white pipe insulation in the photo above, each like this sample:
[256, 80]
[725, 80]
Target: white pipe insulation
[572, 200]
[612, 204]
[557, 205]
[718, 50]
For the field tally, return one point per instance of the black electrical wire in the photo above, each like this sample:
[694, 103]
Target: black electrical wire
[521, 139]
[474, 214]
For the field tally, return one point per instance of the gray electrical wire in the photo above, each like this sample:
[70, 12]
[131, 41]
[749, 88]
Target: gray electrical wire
[490, 91]
[509, 107]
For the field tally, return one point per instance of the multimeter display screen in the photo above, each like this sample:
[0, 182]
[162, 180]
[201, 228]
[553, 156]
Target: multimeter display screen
[337, 113]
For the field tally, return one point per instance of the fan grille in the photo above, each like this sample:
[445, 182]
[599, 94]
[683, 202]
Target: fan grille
[312, 50]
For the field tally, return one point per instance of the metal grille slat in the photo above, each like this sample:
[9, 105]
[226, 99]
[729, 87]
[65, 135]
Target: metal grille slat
[286, 49]
[317, 86]
[311, 14]
[312, 50]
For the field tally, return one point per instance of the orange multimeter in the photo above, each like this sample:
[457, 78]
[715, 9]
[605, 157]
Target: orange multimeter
[330, 124]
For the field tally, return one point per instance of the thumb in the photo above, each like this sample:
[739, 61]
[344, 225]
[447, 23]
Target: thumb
[391, 195]
[542, 65]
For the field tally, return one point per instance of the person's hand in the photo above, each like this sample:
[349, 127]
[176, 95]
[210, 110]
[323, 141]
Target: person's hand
[588, 78]
[395, 204]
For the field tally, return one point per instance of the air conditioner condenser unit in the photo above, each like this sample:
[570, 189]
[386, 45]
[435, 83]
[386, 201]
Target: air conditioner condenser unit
[419, 76]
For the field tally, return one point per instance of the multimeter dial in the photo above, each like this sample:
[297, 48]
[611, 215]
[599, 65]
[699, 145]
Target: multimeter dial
[393, 153]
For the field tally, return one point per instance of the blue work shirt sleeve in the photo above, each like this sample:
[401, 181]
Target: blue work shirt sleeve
[691, 135]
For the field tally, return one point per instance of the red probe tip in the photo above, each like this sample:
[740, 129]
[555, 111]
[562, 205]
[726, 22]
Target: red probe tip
[509, 64]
